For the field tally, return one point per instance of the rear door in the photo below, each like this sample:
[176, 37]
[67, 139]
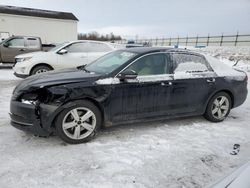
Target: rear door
[15, 46]
[194, 81]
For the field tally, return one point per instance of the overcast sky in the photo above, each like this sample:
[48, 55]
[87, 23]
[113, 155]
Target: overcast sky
[152, 18]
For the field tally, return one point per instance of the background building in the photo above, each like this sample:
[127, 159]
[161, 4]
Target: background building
[51, 26]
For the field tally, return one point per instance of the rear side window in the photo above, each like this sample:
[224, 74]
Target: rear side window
[189, 63]
[154, 64]
[33, 43]
[99, 47]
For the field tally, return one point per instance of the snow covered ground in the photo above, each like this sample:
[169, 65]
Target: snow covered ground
[186, 152]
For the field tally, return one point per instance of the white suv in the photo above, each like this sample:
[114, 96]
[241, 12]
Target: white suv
[66, 55]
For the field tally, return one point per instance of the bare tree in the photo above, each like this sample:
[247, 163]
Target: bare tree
[96, 36]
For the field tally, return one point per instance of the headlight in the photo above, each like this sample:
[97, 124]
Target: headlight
[23, 59]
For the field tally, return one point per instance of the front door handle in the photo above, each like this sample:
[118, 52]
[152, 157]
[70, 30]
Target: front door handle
[166, 83]
[211, 80]
[22, 50]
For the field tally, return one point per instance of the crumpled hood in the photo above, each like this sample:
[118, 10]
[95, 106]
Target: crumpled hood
[56, 78]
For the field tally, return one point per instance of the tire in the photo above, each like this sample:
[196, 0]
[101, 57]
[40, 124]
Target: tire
[218, 111]
[71, 127]
[40, 69]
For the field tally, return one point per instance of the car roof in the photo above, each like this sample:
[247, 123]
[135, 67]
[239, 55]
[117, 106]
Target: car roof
[144, 50]
[93, 41]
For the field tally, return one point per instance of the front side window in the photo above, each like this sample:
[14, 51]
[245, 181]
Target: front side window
[57, 47]
[154, 64]
[189, 63]
[110, 62]
[16, 42]
[78, 47]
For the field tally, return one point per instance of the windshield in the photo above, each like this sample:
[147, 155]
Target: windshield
[110, 62]
[57, 47]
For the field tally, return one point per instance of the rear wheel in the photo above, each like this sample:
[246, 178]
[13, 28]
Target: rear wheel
[40, 69]
[218, 107]
[79, 123]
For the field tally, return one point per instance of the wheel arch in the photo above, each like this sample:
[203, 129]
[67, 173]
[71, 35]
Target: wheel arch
[230, 93]
[40, 64]
[70, 103]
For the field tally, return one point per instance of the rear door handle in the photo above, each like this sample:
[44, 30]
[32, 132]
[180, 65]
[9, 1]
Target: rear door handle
[212, 80]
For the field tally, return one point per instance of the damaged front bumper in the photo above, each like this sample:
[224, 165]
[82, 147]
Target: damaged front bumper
[26, 118]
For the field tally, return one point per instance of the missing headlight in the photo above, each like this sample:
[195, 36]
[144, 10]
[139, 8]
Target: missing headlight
[35, 96]
[28, 102]
[29, 98]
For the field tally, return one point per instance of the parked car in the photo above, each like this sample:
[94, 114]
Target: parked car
[17, 45]
[66, 55]
[126, 86]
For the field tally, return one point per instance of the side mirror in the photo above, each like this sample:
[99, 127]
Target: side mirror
[62, 51]
[127, 75]
[6, 44]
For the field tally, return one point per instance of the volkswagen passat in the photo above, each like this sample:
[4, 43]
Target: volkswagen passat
[126, 86]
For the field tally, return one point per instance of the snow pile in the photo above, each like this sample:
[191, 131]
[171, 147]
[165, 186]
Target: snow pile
[6, 74]
[223, 69]
[233, 56]
[107, 81]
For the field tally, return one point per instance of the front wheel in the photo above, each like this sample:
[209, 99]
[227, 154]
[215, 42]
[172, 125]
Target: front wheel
[218, 107]
[40, 69]
[79, 123]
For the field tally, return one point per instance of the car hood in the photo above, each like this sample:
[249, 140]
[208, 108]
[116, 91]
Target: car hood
[39, 53]
[56, 78]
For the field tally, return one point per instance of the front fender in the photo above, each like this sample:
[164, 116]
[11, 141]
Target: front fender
[66, 97]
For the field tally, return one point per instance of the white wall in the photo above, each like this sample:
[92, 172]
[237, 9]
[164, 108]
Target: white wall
[50, 30]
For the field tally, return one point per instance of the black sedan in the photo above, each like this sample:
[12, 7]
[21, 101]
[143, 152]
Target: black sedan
[126, 86]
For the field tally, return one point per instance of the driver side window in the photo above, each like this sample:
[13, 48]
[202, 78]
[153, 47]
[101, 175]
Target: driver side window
[154, 64]
[80, 47]
[16, 42]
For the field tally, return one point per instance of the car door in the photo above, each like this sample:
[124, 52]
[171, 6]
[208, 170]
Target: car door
[194, 81]
[76, 55]
[148, 95]
[97, 49]
[12, 48]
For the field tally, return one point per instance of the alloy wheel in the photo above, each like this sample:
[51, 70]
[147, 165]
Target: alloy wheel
[79, 123]
[220, 107]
